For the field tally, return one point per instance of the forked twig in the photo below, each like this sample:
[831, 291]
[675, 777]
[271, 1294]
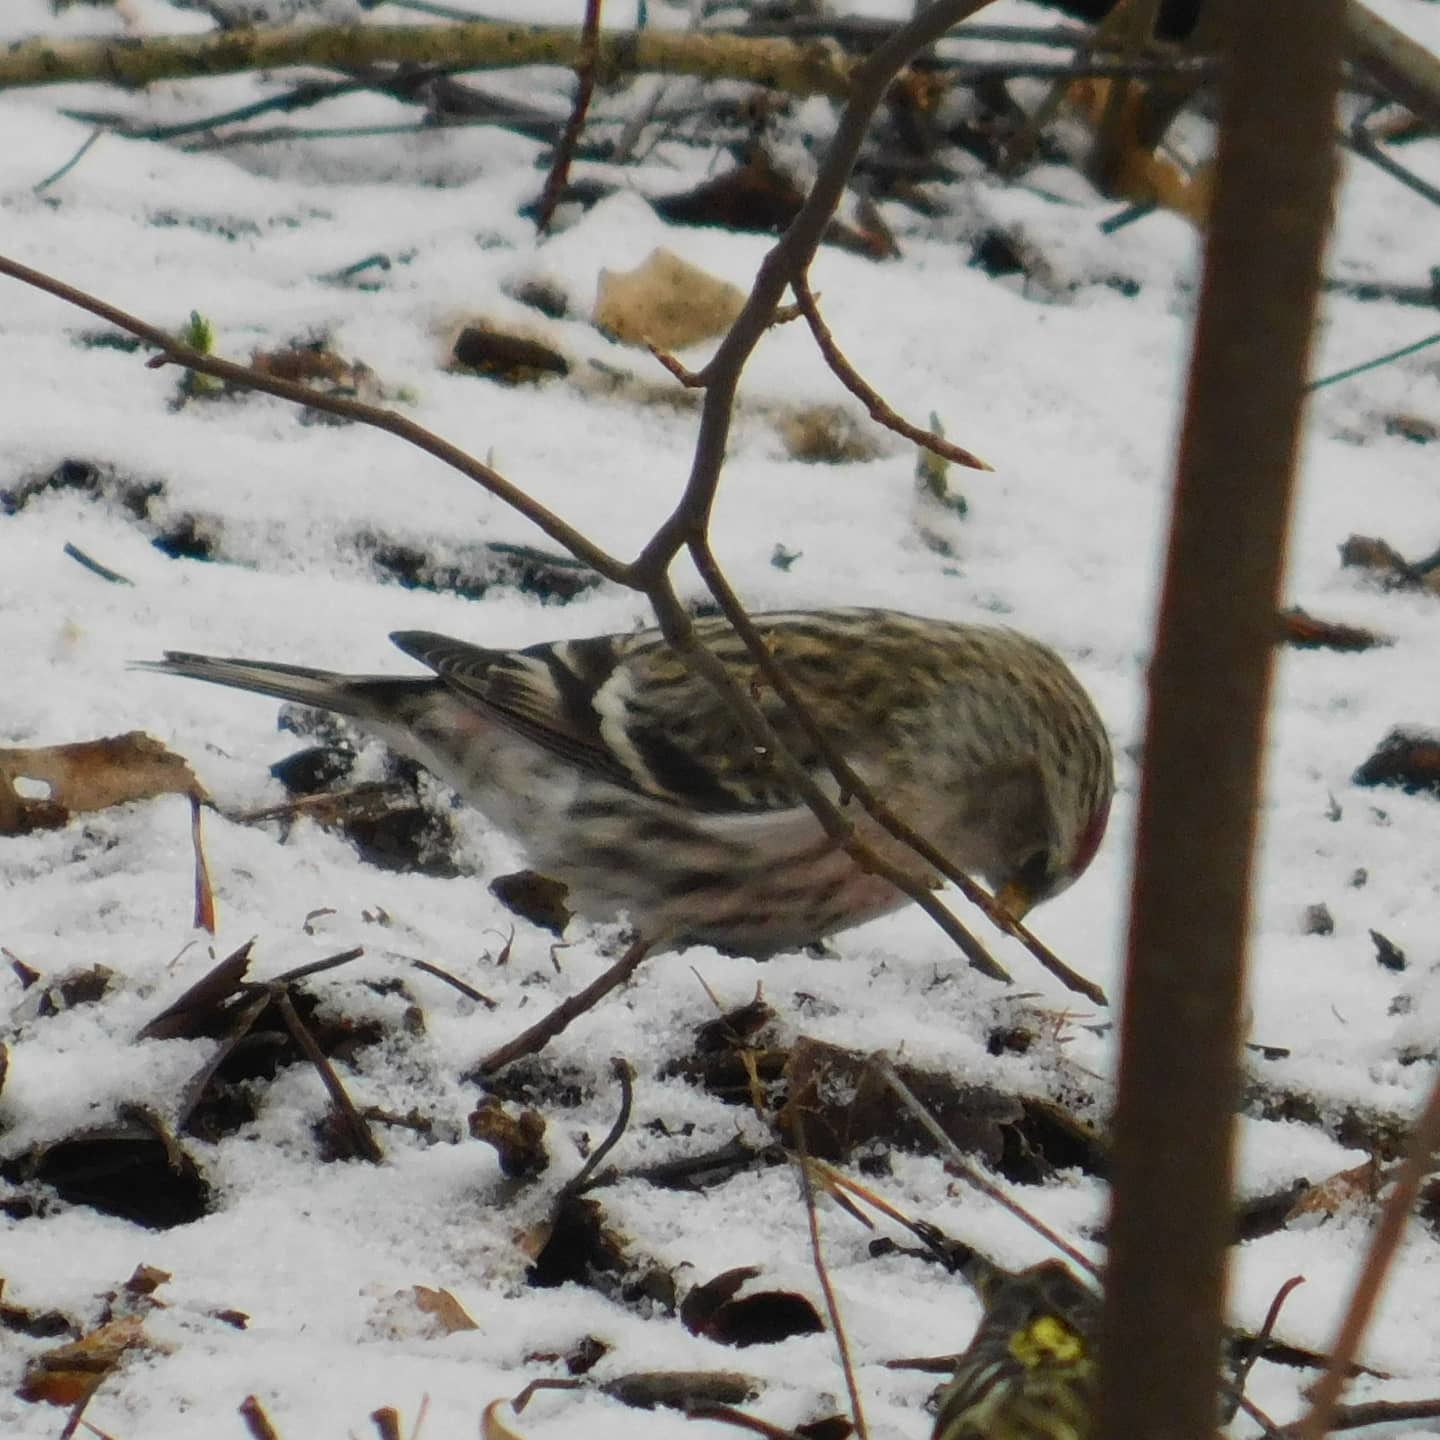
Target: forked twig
[866, 394]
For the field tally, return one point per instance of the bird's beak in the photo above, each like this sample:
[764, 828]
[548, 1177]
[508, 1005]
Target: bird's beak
[1014, 899]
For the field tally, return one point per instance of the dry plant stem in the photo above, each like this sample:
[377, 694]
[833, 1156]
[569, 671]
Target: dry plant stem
[582, 1178]
[969, 1174]
[851, 379]
[1235, 1394]
[365, 1142]
[76, 1417]
[195, 1090]
[1209, 685]
[1390, 1229]
[549, 1026]
[565, 150]
[822, 1273]
[454, 981]
[204, 890]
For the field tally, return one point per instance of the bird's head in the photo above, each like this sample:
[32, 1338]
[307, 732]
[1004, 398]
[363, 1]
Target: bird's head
[1045, 870]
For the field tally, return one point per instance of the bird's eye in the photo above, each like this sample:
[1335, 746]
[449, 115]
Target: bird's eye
[1034, 873]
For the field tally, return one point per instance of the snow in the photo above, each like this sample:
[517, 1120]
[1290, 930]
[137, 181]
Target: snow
[1070, 388]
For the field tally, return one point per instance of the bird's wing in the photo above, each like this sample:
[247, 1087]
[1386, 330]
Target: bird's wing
[530, 691]
[626, 708]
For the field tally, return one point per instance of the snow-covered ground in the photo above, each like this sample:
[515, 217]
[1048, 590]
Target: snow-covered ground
[1069, 388]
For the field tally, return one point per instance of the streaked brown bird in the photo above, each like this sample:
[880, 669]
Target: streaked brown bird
[624, 776]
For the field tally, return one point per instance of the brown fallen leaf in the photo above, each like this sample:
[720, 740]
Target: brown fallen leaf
[89, 775]
[446, 1312]
[1347, 1190]
[665, 301]
[717, 1311]
[71, 1373]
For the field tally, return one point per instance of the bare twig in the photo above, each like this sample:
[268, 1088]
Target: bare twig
[1375, 1412]
[1359, 139]
[1351, 371]
[957, 1162]
[173, 352]
[42, 185]
[1389, 1229]
[581, 1180]
[364, 1141]
[570, 138]
[94, 566]
[549, 1026]
[822, 1273]
[1242, 1372]
[850, 378]
[454, 981]
[204, 890]
[1172, 1214]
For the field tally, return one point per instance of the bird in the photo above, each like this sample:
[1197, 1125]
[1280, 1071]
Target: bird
[1029, 1373]
[626, 777]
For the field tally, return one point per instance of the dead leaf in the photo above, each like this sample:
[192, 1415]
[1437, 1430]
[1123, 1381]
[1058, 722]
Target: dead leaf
[1348, 1190]
[89, 775]
[764, 1318]
[534, 897]
[71, 1373]
[665, 302]
[519, 1140]
[446, 1312]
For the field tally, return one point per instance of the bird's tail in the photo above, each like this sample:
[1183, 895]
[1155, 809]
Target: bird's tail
[363, 696]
